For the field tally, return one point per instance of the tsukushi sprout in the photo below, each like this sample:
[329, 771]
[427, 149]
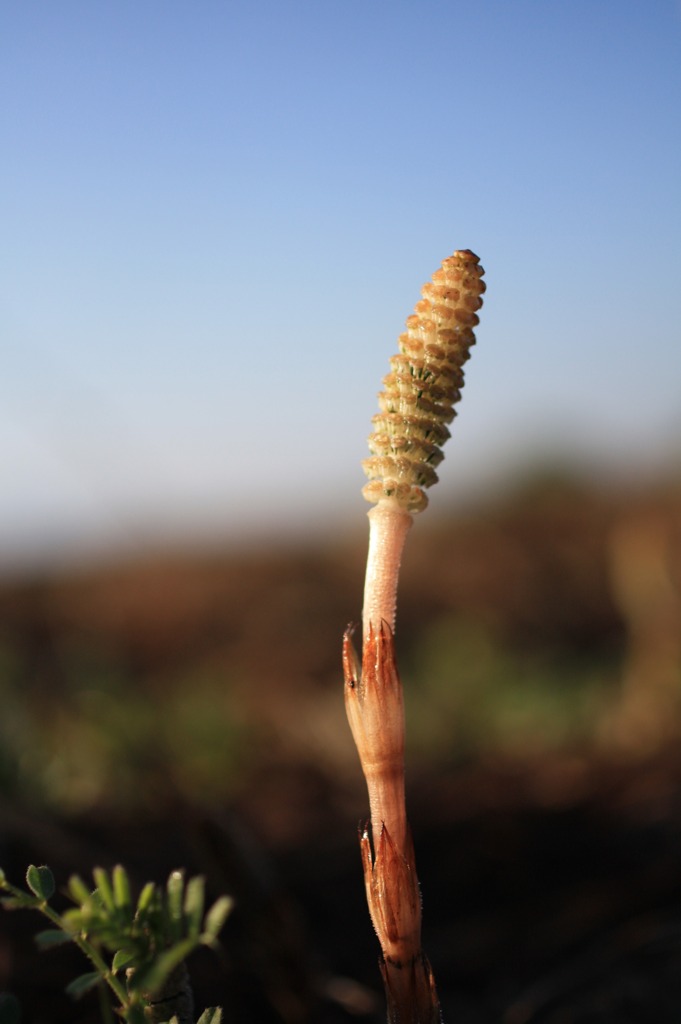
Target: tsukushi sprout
[416, 406]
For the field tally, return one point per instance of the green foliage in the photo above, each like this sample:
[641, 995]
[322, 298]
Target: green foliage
[470, 692]
[213, 1015]
[106, 740]
[144, 940]
[40, 881]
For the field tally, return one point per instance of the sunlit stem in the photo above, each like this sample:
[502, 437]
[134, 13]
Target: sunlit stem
[388, 528]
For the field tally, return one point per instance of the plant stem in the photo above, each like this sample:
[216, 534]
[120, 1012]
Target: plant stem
[93, 955]
[388, 528]
[374, 704]
[415, 406]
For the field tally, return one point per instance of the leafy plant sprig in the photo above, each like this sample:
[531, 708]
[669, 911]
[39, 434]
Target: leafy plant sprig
[137, 949]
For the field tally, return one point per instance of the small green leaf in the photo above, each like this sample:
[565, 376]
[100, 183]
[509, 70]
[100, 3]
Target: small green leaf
[211, 1015]
[72, 920]
[215, 918]
[40, 881]
[19, 902]
[51, 937]
[78, 890]
[103, 883]
[146, 897]
[82, 984]
[121, 886]
[122, 958]
[194, 900]
[2, 877]
[175, 889]
[10, 1010]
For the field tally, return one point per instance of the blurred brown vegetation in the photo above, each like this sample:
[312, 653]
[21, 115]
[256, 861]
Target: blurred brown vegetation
[187, 711]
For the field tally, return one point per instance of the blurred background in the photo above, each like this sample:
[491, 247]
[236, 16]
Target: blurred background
[215, 220]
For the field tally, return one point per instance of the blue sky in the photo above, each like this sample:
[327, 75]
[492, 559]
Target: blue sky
[216, 217]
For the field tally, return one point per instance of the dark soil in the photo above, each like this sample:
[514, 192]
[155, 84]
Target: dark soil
[552, 893]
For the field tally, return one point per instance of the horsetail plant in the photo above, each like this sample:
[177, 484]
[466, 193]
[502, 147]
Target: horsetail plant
[415, 407]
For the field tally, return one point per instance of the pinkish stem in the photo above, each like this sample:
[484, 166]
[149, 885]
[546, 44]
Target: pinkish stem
[388, 528]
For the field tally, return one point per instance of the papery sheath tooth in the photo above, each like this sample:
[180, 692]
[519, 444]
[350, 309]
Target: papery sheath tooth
[389, 444]
[409, 497]
[425, 429]
[424, 385]
[400, 468]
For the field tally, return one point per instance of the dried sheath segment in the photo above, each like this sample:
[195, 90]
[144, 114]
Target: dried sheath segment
[423, 386]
